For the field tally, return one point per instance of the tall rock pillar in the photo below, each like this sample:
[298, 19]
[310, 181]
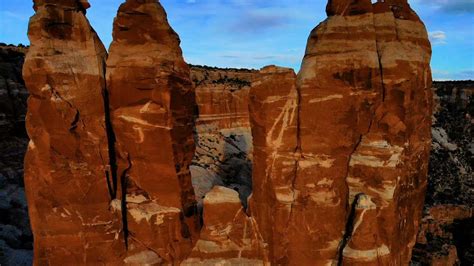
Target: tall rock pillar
[152, 102]
[340, 87]
[390, 163]
[66, 162]
[274, 119]
[355, 180]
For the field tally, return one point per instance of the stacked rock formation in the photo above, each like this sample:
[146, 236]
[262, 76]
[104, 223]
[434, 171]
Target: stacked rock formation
[152, 102]
[229, 236]
[67, 157]
[363, 139]
[340, 150]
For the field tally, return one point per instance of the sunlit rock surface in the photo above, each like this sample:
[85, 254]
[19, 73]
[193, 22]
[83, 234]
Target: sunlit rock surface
[339, 152]
[227, 233]
[274, 116]
[67, 159]
[152, 101]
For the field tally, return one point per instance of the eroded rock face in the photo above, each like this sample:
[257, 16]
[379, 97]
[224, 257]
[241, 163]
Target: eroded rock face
[152, 102]
[67, 157]
[363, 139]
[274, 118]
[340, 151]
[227, 233]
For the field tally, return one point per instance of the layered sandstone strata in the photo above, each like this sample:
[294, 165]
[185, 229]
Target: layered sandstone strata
[274, 117]
[224, 141]
[358, 171]
[152, 102]
[390, 163]
[229, 236]
[66, 162]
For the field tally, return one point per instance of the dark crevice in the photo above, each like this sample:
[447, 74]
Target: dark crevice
[123, 186]
[348, 230]
[381, 73]
[110, 174]
[75, 121]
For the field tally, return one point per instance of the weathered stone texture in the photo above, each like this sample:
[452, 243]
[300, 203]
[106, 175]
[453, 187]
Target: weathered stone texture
[227, 233]
[67, 155]
[363, 139]
[274, 119]
[152, 102]
[339, 151]
[13, 94]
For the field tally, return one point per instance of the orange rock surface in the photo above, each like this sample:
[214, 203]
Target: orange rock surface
[336, 159]
[152, 102]
[358, 173]
[274, 118]
[67, 159]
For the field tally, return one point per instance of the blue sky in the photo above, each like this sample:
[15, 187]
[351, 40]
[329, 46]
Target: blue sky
[255, 33]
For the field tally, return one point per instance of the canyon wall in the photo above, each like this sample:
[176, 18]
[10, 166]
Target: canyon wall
[332, 162]
[223, 136]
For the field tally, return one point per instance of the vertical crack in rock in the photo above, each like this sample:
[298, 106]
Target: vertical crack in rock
[152, 102]
[298, 155]
[64, 166]
[348, 229]
[123, 187]
[75, 121]
[111, 173]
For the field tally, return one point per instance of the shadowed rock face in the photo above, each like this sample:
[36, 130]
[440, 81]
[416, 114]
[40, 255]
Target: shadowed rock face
[223, 136]
[152, 102]
[67, 157]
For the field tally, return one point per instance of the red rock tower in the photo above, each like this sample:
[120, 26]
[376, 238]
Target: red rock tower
[152, 102]
[67, 159]
[358, 172]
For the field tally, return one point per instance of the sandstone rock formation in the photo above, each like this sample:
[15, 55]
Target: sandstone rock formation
[358, 170]
[442, 228]
[274, 117]
[229, 235]
[339, 152]
[66, 162]
[152, 102]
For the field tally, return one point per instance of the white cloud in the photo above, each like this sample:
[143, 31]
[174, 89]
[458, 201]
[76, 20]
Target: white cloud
[437, 37]
[443, 75]
[450, 6]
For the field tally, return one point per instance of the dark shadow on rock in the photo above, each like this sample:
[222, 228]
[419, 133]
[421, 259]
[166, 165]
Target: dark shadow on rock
[235, 170]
